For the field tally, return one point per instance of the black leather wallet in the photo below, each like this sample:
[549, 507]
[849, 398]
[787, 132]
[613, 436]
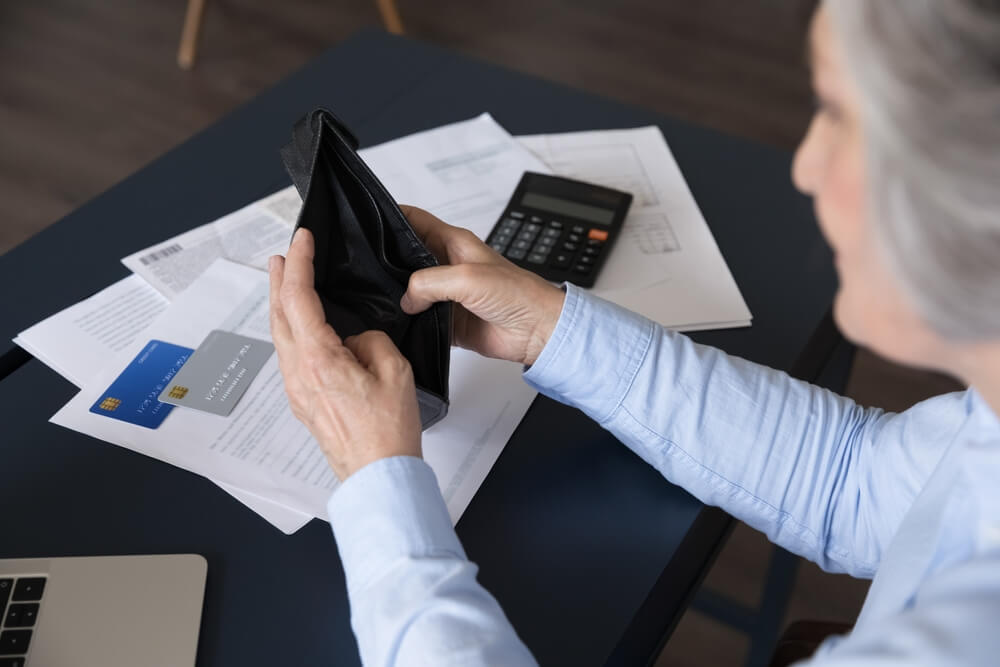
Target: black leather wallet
[365, 253]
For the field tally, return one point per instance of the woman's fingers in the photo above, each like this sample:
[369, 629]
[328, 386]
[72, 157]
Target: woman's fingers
[451, 245]
[299, 302]
[429, 228]
[358, 399]
[376, 352]
[439, 283]
[280, 332]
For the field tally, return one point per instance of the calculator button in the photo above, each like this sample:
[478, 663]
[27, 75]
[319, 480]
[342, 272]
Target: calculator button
[537, 258]
[577, 229]
[535, 219]
[514, 253]
[502, 238]
[517, 214]
[546, 241]
[499, 247]
[594, 243]
[542, 249]
[561, 260]
[598, 234]
[591, 251]
[551, 233]
[521, 244]
[555, 224]
[510, 223]
[533, 227]
[586, 260]
[574, 238]
[526, 236]
[582, 268]
[570, 247]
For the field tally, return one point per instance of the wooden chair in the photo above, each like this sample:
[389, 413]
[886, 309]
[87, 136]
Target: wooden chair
[187, 52]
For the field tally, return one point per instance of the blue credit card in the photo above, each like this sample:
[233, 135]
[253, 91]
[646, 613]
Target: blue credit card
[132, 397]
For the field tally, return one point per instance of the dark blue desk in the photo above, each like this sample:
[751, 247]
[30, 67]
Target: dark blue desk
[591, 553]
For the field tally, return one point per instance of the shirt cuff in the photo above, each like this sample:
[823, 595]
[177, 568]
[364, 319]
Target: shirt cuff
[593, 354]
[390, 509]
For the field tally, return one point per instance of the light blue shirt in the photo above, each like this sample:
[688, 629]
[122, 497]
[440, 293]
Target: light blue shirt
[911, 499]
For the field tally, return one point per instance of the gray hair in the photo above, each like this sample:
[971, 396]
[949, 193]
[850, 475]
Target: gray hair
[929, 76]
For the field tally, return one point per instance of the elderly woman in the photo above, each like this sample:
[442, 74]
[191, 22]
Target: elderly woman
[902, 159]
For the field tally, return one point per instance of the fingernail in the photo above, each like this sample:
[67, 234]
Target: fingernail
[404, 303]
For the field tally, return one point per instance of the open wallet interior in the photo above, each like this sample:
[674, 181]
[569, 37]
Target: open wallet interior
[365, 253]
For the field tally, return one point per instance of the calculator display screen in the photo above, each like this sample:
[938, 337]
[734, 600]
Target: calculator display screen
[566, 207]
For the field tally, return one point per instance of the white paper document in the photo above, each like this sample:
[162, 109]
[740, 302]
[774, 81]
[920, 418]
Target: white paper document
[261, 448]
[666, 264]
[81, 340]
[247, 236]
[84, 339]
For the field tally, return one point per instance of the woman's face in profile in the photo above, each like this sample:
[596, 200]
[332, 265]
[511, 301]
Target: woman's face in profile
[830, 166]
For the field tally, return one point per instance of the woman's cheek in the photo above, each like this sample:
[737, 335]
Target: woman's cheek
[844, 215]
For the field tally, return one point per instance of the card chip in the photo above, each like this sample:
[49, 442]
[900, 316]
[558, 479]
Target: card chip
[178, 392]
[134, 395]
[110, 404]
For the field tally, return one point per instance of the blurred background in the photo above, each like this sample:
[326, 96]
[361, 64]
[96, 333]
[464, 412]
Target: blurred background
[90, 91]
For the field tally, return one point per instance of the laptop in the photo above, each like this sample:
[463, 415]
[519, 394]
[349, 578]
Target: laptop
[107, 611]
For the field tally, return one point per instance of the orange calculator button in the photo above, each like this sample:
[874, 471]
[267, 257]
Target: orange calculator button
[598, 235]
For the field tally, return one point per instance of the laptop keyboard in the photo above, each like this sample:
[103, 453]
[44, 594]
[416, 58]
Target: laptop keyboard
[19, 602]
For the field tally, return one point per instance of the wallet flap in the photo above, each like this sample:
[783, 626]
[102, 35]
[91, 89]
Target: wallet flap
[299, 154]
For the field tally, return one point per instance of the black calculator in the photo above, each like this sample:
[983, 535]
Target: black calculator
[560, 228]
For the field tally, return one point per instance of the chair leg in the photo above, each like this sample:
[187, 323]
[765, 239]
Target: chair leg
[390, 15]
[188, 49]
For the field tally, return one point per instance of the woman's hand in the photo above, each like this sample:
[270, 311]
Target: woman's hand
[356, 396]
[504, 311]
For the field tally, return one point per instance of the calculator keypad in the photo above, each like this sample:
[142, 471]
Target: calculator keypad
[549, 243]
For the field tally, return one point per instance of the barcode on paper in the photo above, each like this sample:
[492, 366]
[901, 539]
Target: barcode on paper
[160, 254]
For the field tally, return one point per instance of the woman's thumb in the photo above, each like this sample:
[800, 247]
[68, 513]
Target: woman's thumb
[437, 283]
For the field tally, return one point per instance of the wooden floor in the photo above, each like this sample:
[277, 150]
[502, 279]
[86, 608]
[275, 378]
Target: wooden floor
[89, 92]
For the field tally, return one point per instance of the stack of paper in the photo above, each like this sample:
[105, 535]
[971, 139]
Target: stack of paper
[666, 265]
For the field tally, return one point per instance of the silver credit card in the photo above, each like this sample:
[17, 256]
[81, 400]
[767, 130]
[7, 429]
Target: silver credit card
[218, 373]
